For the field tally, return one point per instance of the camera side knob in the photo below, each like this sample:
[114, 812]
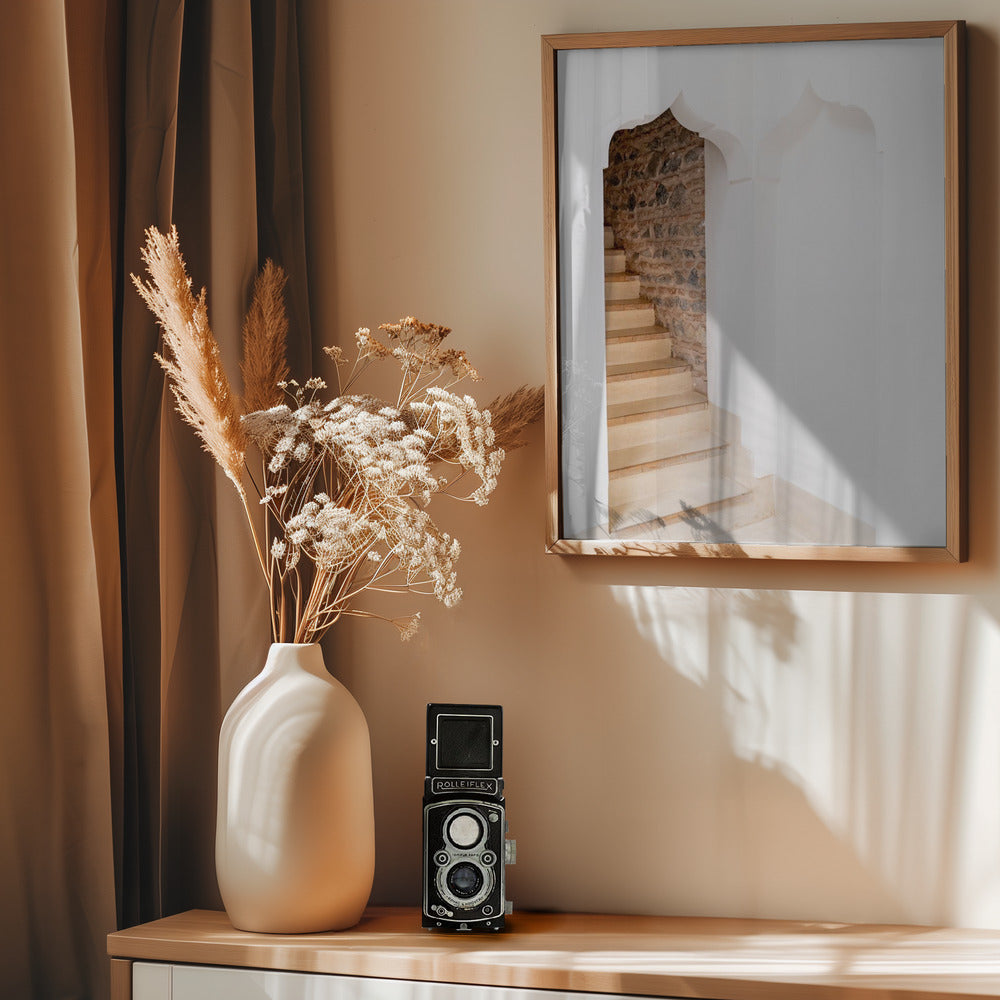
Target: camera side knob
[510, 852]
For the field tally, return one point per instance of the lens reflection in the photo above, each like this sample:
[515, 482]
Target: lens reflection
[465, 880]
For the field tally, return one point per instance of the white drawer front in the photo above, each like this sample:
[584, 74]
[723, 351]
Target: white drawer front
[150, 981]
[153, 981]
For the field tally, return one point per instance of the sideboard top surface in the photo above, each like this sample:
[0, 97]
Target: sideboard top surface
[725, 959]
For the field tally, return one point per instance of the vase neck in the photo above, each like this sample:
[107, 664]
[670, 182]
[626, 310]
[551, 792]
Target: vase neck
[285, 657]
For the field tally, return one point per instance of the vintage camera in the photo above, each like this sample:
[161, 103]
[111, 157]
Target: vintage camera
[465, 824]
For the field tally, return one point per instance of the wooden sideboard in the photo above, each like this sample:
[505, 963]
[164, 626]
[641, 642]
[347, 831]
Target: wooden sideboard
[722, 959]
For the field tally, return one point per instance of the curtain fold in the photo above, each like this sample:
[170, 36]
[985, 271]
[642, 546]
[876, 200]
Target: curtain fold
[61, 669]
[151, 71]
[280, 163]
[132, 602]
[221, 105]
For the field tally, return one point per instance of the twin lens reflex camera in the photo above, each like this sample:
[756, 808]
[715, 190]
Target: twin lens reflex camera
[465, 825]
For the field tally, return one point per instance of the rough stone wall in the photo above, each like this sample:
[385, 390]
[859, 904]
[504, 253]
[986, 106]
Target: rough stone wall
[654, 201]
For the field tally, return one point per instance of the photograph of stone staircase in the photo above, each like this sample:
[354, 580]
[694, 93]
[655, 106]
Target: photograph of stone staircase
[678, 469]
[673, 471]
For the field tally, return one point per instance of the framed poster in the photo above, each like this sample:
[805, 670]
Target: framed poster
[754, 292]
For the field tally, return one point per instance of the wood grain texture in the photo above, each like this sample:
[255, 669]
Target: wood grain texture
[730, 550]
[754, 35]
[646, 956]
[121, 979]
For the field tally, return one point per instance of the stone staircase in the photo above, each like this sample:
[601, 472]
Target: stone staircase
[672, 469]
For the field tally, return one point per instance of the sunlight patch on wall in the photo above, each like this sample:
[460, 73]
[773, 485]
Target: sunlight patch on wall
[883, 709]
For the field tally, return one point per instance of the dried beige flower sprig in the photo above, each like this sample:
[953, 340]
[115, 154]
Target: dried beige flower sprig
[344, 484]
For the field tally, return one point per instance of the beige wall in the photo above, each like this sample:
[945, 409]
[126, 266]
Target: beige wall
[787, 740]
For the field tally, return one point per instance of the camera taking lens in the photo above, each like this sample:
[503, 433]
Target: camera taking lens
[465, 880]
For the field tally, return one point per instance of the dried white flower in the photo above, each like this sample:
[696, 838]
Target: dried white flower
[408, 627]
[265, 427]
[349, 481]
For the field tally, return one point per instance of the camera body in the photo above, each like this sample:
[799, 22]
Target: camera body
[465, 822]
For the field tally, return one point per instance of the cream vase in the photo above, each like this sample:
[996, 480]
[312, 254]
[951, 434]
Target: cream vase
[295, 839]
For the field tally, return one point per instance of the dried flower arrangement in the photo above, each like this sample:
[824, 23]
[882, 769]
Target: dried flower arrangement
[345, 484]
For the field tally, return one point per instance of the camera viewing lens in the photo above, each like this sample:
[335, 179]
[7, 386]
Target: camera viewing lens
[465, 880]
[464, 830]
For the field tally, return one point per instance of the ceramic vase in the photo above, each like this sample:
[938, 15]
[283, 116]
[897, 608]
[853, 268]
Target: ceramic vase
[295, 838]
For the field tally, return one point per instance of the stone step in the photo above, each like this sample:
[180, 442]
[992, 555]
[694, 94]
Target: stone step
[656, 406]
[609, 238]
[663, 493]
[659, 378]
[656, 418]
[614, 261]
[624, 347]
[644, 367]
[628, 314]
[654, 329]
[676, 449]
[621, 286]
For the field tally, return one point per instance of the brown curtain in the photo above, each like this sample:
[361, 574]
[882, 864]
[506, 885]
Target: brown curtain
[211, 127]
[132, 609]
[61, 705]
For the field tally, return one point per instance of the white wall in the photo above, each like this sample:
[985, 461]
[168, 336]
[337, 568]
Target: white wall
[771, 739]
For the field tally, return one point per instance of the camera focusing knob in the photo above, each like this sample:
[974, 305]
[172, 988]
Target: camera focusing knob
[510, 852]
[508, 908]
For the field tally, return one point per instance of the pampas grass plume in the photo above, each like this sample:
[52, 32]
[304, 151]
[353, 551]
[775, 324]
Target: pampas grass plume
[191, 356]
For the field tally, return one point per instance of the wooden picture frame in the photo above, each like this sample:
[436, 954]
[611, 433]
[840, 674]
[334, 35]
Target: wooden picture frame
[794, 197]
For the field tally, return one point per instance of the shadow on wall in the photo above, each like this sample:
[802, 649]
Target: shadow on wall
[863, 734]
